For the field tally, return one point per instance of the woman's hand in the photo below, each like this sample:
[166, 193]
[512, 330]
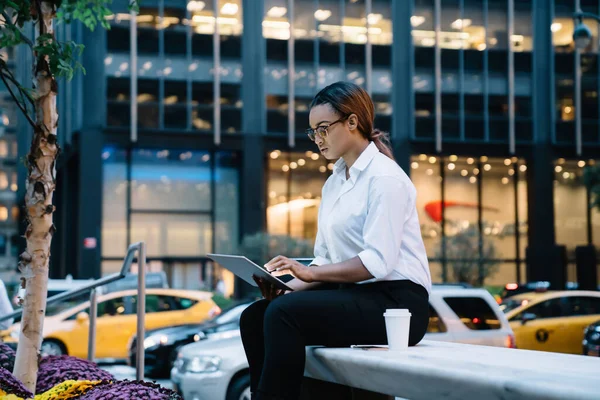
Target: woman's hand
[281, 265]
[268, 290]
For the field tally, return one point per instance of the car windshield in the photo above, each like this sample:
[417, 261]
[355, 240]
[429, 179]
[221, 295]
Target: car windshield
[231, 314]
[510, 304]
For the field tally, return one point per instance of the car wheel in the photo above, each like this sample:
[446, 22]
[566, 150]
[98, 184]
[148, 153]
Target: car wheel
[52, 348]
[239, 388]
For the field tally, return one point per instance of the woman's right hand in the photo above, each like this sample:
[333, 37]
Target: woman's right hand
[268, 290]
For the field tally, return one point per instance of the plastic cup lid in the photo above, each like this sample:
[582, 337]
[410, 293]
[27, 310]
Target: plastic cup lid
[397, 312]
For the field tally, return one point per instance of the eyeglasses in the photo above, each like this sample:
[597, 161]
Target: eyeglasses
[322, 130]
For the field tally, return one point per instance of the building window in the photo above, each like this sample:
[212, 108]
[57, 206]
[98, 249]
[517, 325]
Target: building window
[295, 181]
[182, 203]
[473, 217]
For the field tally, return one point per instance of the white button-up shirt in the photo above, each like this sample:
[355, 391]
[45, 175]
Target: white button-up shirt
[372, 215]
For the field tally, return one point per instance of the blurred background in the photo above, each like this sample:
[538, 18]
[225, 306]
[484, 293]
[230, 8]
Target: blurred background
[479, 98]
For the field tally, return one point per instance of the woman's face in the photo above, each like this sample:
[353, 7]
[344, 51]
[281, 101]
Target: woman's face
[338, 139]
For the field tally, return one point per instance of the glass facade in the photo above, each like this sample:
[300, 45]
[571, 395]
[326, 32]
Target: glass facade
[183, 204]
[9, 209]
[473, 216]
[470, 138]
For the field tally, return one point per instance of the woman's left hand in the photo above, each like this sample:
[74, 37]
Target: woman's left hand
[281, 265]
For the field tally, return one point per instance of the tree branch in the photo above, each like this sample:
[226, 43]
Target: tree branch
[24, 38]
[8, 75]
[21, 107]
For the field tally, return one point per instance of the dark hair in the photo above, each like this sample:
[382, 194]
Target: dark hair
[348, 98]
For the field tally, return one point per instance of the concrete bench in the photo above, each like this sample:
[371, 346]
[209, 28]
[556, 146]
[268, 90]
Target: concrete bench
[435, 370]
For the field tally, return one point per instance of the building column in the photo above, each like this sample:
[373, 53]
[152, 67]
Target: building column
[544, 258]
[90, 141]
[254, 124]
[403, 122]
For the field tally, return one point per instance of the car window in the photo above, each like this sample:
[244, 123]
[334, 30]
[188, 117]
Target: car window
[230, 315]
[474, 312]
[436, 325]
[183, 303]
[113, 307]
[156, 303]
[581, 305]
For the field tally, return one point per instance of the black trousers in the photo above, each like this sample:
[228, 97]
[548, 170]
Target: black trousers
[275, 333]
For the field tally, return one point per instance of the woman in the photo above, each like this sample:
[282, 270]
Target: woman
[368, 243]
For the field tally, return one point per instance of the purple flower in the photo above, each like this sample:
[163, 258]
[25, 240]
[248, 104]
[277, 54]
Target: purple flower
[126, 390]
[7, 357]
[57, 369]
[11, 385]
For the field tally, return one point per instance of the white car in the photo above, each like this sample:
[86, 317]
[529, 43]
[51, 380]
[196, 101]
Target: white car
[217, 368]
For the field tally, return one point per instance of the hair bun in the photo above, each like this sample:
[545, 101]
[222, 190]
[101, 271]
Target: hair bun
[376, 134]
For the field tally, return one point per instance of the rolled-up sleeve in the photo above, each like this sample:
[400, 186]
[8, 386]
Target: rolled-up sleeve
[387, 210]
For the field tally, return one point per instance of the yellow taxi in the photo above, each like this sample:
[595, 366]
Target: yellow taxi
[553, 320]
[67, 331]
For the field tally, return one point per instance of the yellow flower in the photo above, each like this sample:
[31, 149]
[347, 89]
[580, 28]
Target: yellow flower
[67, 390]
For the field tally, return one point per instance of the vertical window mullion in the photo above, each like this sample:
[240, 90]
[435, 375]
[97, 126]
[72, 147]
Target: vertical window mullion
[161, 56]
[216, 76]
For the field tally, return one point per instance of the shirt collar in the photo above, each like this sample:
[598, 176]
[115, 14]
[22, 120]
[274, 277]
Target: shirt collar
[360, 164]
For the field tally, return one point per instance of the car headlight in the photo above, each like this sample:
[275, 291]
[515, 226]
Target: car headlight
[203, 364]
[153, 341]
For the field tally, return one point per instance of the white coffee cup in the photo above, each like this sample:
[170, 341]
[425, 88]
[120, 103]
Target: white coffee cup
[397, 325]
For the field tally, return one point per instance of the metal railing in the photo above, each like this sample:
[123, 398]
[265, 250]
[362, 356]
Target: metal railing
[140, 248]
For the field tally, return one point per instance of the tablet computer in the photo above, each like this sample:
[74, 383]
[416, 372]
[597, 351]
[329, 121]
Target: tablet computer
[244, 268]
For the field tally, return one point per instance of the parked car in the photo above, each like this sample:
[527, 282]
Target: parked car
[217, 368]
[161, 345]
[67, 331]
[591, 340]
[553, 320]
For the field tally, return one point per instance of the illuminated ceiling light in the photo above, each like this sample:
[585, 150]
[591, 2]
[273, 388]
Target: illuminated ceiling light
[168, 70]
[561, 161]
[475, 171]
[330, 166]
[374, 19]
[504, 180]
[428, 42]
[481, 46]
[460, 24]
[523, 168]
[285, 168]
[453, 158]
[417, 20]
[314, 156]
[308, 153]
[322, 169]
[507, 162]
[322, 15]
[147, 65]
[274, 155]
[568, 109]
[566, 175]
[193, 67]
[592, 162]
[581, 163]
[429, 172]
[451, 166]
[432, 160]
[277, 12]
[470, 160]
[558, 168]
[108, 60]
[414, 165]
[472, 179]
[123, 66]
[555, 27]
[272, 194]
[487, 167]
[511, 172]
[422, 157]
[483, 159]
[229, 9]
[195, 6]
[464, 172]
[301, 162]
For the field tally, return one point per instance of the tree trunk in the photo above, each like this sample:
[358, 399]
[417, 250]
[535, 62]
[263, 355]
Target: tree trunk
[38, 202]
